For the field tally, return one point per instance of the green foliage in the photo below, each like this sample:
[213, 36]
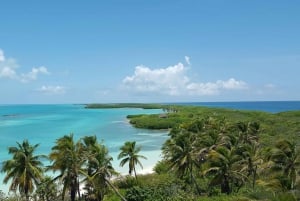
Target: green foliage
[25, 170]
[281, 125]
[125, 182]
[47, 190]
[124, 105]
[66, 157]
[161, 167]
[158, 188]
[224, 198]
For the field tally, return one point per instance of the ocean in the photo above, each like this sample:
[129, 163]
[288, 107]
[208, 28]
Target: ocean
[44, 124]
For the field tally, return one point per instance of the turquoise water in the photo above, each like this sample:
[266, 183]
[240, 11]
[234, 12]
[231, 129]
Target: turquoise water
[44, 124]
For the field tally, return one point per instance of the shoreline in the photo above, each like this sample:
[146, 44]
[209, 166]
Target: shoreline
[152, 158]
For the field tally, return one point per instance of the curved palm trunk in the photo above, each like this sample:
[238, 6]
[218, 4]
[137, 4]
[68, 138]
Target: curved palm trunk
[115, 190]
[194, 180]
[196, 184]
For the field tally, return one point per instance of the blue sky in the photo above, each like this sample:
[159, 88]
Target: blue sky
[149, 51]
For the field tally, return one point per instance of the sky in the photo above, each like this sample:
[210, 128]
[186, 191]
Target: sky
[64, 51]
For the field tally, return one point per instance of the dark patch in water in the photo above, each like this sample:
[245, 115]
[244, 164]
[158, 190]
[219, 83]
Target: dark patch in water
[10, 115]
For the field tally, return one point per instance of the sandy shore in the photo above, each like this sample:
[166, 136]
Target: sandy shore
[152, 158]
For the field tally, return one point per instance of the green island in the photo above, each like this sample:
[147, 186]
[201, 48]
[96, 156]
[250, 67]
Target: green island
[123, 105]
[212, 154]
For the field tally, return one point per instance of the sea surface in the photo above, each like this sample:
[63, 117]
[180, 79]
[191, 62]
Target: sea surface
[44, 124]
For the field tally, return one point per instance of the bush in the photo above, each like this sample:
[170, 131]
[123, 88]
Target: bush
[161, 167]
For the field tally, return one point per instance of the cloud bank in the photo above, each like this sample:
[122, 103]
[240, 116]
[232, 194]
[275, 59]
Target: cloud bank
[9, 69]
[174, 81]
[51, 90]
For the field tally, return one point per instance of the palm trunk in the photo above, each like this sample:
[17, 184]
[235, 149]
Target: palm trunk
[196, 184]
[73, 194]
[225, 188]
[115, 190]
[78, 189]
[135, 173]
[194, 180]
[254, 177]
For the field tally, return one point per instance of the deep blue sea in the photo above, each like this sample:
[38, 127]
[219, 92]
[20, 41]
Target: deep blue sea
[44, 124]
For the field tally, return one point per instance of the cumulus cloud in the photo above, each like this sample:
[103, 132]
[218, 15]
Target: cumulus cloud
[9, 69]
[7, 72]
[32, 75]
[174, 81]
[170, 80]
[52, 89]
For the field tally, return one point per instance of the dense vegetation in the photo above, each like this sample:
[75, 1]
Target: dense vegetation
[211, 155]
[123, 105]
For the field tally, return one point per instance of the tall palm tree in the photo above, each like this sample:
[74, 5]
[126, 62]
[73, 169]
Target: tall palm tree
[225, 166]
[286, 158]
[129, 154]
[248, 132]
[99, 169]
[252, 155]
[181, 153]
[24, 169]
[67, 158]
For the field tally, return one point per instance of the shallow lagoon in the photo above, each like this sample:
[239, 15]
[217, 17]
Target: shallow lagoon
[44, 124]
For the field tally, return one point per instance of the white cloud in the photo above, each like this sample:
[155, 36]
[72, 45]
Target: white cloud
[231, 84]
[7, 72]
[170, 80]
[9, 69]
[32, 75]
[187, 60]
[50, 90]
[2, 58]
[173, 81]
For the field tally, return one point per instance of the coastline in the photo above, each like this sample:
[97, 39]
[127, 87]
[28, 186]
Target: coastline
[111, 127]
[152, 158]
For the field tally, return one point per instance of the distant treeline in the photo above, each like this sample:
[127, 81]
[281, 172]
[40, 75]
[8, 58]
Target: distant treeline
[280, 124]
[124, 105]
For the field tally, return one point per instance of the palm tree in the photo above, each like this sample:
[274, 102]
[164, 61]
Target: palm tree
[225, 166]
[253, 159]
[99, 169]
[66, 157]
[286, 158]
[180, 152]
[24, 169]
[129, 154]
[248, 132]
